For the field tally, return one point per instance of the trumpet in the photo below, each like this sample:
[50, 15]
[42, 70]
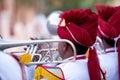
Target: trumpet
[32, 48]
[99, 46]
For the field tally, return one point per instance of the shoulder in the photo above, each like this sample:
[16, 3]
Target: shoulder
[75, 70]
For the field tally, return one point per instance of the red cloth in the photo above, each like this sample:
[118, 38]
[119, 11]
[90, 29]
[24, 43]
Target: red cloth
[109, 24]
[82, 24]
[93, 65]
[81, 27]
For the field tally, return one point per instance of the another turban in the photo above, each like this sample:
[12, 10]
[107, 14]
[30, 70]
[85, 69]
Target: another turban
[109, 25]
[109, 21]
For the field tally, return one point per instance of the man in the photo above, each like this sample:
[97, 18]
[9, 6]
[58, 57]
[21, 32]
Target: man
[80, 27]
[109, 31]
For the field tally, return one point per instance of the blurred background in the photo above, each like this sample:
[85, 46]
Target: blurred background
[22, 19]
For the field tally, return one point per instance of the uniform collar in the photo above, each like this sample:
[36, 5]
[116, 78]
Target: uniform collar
[78, 57]
[109, 50]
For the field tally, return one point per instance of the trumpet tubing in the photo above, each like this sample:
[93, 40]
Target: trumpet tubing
[32, 48]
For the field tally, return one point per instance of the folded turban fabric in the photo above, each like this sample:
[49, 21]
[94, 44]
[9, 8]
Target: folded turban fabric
[81, 26]
[109, 21]
[109, 25]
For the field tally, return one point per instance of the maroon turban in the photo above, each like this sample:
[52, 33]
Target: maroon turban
[81, 26]
[108, 20]
[109, 24]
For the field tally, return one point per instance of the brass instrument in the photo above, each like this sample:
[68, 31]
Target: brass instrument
[32, 48]
[99, 46]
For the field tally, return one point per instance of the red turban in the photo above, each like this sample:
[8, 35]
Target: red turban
[109, 21]
[109, 24]
[81, 27]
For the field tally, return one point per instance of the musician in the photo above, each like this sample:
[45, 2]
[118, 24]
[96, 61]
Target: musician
[109, 31]
[80, 27]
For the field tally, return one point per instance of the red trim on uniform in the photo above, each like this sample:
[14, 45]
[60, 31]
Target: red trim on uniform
[110, 51]
[62, 74]
[81, 57]
[78, 58]
[51, 72]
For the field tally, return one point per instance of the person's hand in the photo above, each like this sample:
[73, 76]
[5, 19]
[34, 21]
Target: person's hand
[39, 48]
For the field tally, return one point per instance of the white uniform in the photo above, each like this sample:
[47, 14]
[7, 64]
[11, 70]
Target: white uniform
[109, 63]
[9, 68]
[78, 70]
